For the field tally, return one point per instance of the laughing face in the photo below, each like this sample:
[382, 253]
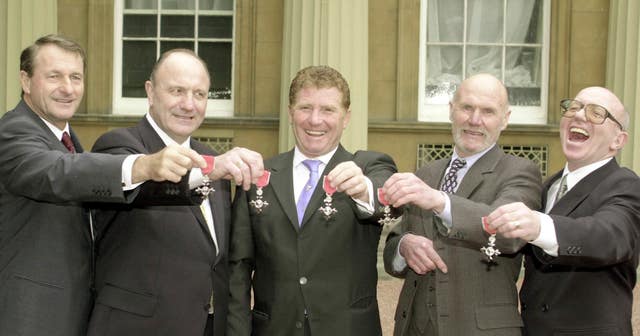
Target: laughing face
[55, 88]
[478, 114]
[584, 143]
[178, 95]
[318, 119]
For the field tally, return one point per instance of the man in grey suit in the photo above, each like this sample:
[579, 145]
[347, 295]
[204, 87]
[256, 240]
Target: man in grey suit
[45, 233]
[312, 272]
[451, 287]
[582, 259]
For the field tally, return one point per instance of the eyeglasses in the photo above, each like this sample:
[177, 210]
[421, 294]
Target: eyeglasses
[595, 113]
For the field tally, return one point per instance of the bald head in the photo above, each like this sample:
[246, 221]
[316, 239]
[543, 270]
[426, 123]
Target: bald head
[487, 85]
[607, 99]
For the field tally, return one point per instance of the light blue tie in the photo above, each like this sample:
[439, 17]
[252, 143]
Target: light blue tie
[307, 191]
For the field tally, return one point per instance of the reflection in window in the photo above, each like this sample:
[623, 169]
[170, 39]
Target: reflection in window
[150, 27]
[501, 37]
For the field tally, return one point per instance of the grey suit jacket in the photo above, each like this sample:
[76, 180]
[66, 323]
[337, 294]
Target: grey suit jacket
[588, 288]
[475, 297]
[324, 270]
[156, 261]
[45, 241]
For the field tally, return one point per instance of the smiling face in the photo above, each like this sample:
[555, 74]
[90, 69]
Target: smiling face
[177, 95]
[55, 88]
[478, 113]
[584, 143]
[318, 118]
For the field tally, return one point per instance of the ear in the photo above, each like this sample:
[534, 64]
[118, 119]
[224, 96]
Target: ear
[450, 111]
[619, 141]
[148, 87]
[505, 121]
[290, 115]
[347, 119]
[25, 82]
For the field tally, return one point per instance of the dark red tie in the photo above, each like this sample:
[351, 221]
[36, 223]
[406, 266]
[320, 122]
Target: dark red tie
[66, 140]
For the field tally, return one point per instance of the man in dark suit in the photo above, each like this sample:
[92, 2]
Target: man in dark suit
[312, 272]
[162, 270]
[45, 234]
[580, 265]
[442, 227]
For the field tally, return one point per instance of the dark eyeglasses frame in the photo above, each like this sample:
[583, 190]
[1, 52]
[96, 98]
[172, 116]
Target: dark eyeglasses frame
[565, 103]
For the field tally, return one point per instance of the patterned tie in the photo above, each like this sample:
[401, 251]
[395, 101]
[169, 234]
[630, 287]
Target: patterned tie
[562, 189]
[307, 191]
[451, 179]
[66, 141]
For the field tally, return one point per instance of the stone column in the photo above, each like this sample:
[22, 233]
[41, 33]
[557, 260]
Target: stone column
[334, 33]
[21, 22]
[623, 73]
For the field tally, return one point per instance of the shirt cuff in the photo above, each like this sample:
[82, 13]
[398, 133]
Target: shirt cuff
[445, 214]
[366, 208]
[399, 263]
[127, 172]
[547, 239]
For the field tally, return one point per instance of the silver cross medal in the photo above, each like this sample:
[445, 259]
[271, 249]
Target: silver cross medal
[490, 250]
[206, 188]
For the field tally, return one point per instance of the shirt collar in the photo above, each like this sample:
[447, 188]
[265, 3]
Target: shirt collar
[164, 136]
[472, 158]
[298, 157]
[56, 131]
[573, 177]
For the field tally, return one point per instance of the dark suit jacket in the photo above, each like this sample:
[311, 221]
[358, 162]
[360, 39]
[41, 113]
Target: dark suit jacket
[587, 289]
[474, 297]
[326, 268]
[45, 240]
[157, 265]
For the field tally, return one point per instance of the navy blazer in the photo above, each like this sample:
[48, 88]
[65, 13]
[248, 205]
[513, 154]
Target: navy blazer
[588, 288]
[156, 262]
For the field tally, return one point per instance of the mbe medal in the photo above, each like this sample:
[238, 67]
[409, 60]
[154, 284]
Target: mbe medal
[490, 250]
[327, 209]
[205, 189]
[386, 219]
[259, 203]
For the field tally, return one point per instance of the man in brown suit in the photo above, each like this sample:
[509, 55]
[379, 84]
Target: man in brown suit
[451, 287]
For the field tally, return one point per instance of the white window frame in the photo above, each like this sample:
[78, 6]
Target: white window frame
[139, 106]
[535, 115]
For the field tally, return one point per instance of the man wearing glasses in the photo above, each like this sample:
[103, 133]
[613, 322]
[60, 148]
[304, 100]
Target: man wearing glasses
[580, 265]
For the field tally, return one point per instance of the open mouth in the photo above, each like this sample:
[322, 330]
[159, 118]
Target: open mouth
[578, 134]
[315, 133]
[473, 133]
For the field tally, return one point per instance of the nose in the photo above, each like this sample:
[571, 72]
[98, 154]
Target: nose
[475, 117]
[315, 117]
[187, 102]
[66, 86]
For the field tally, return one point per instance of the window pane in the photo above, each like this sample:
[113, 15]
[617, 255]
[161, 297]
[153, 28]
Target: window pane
[484, 21]
[168, 45]
[177, 26]
[137, 60]
[139, 26]
[178, 4]
[523, 75]
[484, 59]
[524, 21]
[445, 20]
[215, 26]
[444, 73]
[216, 4]
[218, 58]
[141, 4]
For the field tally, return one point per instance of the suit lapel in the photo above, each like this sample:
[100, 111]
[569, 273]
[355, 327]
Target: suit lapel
[576, 195]
[475, 176]
[341, 155]
[282, 183]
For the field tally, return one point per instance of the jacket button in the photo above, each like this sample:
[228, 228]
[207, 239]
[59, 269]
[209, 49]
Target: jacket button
[404, 314]
[523, 306]
[298, 325]
[431, 288]
[545, 308]
[303, 281]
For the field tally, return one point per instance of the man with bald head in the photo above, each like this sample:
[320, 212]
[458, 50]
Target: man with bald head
[163, 269]
[580, 265]
[451, 287]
